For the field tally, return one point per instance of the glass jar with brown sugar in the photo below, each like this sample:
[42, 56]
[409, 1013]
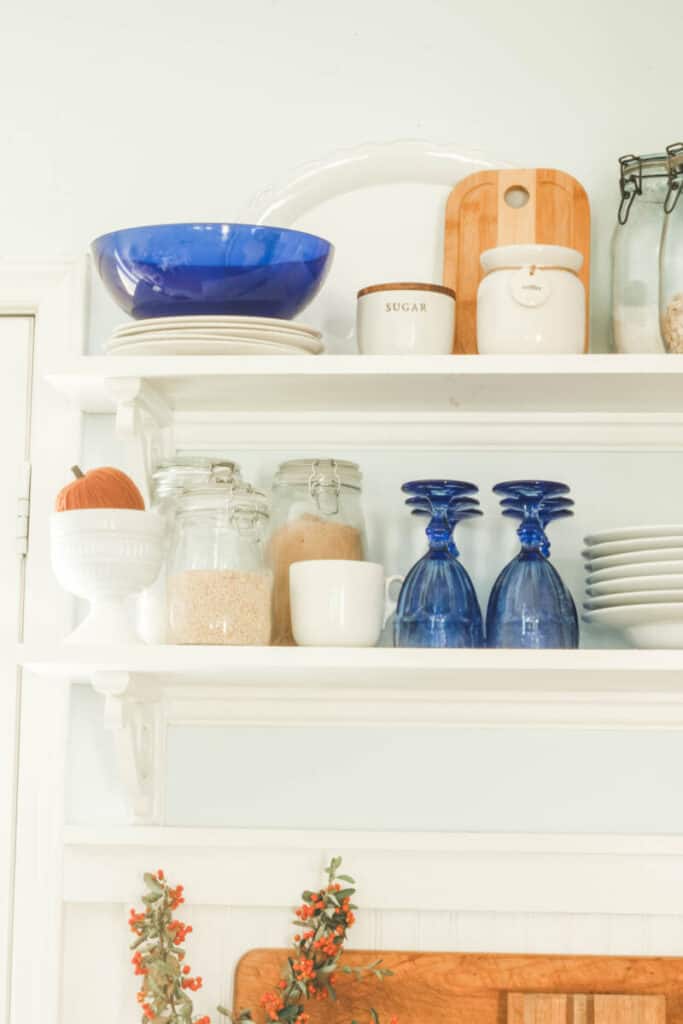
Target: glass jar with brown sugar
[317, 514]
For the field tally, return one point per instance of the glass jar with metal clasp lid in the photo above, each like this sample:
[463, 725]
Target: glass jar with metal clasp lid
[219, 587]
[170, 480]
[671, 256]
[317, 514]
[643, 183]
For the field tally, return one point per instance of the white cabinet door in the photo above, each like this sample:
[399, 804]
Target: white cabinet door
[16, 344]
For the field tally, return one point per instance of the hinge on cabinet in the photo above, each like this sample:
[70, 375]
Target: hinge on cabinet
[23, 508]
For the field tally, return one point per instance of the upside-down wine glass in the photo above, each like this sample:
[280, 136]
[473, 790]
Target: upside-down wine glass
[529, 605]
[437, 605]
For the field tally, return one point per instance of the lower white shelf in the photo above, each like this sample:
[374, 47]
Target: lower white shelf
[383, 685]
[147, 689]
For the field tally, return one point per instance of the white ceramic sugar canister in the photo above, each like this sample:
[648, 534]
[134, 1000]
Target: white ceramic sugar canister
[531, 301]
[405, 318]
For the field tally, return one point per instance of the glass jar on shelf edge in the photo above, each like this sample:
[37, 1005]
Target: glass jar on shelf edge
[643, 184]
[671, 255]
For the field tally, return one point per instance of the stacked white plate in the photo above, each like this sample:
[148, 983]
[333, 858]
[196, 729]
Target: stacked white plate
[634, 583]
[214, 336]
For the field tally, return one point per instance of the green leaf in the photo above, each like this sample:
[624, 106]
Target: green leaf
[346, 878]
[374, 1015]
[224, 1012]
[290, 1013]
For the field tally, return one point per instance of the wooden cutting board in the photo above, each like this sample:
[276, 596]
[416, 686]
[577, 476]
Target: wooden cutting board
[478, 988]
[479, 216]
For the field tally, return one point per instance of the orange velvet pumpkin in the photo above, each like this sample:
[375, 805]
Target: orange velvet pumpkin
[105, 487]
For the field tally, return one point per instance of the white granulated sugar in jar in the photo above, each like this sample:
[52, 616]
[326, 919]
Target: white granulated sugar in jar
[219, 606]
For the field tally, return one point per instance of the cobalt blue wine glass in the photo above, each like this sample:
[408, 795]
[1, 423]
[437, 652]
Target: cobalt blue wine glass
[529, 605]
[437, 605]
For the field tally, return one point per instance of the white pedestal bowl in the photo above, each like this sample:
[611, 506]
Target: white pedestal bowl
[105, 556]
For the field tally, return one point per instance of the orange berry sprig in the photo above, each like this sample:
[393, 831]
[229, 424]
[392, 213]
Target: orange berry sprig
[323, 919]
[158, 958]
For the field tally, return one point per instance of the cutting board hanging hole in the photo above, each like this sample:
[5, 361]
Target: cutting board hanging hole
[516, 197]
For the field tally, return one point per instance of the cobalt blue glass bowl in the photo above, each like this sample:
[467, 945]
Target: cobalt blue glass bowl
[212, 269]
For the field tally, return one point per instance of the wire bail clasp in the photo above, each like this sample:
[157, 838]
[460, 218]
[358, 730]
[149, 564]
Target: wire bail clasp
[325, 490]
[674, 153]
[630, 184]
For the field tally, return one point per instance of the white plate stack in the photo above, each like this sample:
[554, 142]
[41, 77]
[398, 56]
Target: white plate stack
[634, 583]
[214, 336]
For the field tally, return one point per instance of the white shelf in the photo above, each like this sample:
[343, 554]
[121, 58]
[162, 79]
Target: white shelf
[406, 384]
[146, 689]
[391, 677]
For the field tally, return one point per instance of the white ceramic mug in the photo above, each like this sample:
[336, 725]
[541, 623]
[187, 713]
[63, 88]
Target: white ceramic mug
[339, 603]
[405, 319]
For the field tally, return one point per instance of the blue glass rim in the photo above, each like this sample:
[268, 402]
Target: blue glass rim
[423, 486]
[543, 488]
[460, 500]
[192, 224]
[455, 515]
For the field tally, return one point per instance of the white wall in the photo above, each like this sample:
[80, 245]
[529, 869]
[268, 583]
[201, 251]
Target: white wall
[135, 112]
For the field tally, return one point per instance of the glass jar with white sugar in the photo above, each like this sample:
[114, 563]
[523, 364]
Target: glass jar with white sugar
[643, 183]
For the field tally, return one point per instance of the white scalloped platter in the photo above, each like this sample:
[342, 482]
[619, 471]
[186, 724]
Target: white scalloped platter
[383, 207]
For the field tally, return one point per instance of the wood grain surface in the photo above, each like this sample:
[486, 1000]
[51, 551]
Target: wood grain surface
[473, 988]
[574, 1008]
[478, 217]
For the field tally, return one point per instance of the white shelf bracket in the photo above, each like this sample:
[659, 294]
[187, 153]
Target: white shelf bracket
[144, 422]
[132, 713]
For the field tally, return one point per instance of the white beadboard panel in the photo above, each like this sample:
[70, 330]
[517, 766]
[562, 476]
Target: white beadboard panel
[97, 971]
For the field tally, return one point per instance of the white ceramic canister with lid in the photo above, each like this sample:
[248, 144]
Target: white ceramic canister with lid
[531, 301]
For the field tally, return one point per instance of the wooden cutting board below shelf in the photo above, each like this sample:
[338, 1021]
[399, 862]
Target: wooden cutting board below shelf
[474, 988]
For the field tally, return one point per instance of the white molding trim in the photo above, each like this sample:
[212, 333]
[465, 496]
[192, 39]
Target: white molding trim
[457, 431]
[486, 873]
[55, 297]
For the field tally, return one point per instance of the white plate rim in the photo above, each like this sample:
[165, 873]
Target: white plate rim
[640, 614]
[612, 561]
[222, 321]
[652, 584]
[304, 344]
[633, 533]
[618, 572]
[625, 547]
[267, 349]
[600, 602]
